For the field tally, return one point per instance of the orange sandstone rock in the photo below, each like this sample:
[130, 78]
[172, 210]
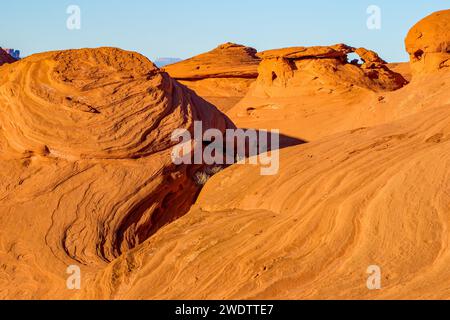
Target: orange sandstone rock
[338, 206]
[87, 178]
[309, 93]
[221, 76]
[85, 151]
[318, 52]
[228, 60]
[305, 67]
[428, 43]
[369, 57]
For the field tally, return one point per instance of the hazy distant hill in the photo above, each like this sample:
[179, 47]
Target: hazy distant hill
[161, 62]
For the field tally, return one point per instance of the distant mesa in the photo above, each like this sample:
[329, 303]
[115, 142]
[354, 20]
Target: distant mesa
[7, 57]
[13, 53]
[162, 62]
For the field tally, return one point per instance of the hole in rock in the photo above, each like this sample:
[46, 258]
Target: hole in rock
[418, 54]
[274, 76]
[355, 59]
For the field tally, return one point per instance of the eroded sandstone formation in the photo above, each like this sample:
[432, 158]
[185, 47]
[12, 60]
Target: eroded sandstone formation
[85, 147]
[374, 194]
[312, 92]
[87, 178]
[327, 67]
[222, 76]
[428, 44]
[338, 206]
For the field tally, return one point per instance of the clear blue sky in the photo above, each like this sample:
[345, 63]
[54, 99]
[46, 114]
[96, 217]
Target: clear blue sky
[183, 28]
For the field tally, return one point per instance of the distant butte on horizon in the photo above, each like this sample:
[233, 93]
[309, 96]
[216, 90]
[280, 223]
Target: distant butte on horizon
[162, 62]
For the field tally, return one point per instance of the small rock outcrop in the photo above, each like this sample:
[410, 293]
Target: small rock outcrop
[325, 66]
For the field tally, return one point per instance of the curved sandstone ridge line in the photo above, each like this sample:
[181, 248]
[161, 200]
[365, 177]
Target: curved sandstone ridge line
[228, 60]
[103, 104]
[85, 141]
[374, 196]
[87, 177]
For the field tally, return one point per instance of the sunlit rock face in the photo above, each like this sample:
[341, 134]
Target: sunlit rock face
[222, 76]
[85, 152]
[428, 44]
[300, 69]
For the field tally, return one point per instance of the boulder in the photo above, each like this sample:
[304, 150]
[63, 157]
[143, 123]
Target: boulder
[428, 44]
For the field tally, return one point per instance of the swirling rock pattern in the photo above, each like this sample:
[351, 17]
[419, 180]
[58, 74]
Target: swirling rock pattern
[87, 179]
[374, 196]
[85, 140]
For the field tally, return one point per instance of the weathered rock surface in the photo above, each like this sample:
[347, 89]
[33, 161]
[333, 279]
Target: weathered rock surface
[87, 179]
[228, 60]
[313, 92]
[338, 206]
[369, 57]
[222, 76]
[428, 43]
[403, 68]
[318, 67]
[85, 141]
[338, 51]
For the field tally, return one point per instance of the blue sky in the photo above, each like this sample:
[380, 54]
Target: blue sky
[183, 28]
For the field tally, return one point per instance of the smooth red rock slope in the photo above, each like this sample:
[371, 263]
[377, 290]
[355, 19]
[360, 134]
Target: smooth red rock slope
[87, 178]
[369, 196]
